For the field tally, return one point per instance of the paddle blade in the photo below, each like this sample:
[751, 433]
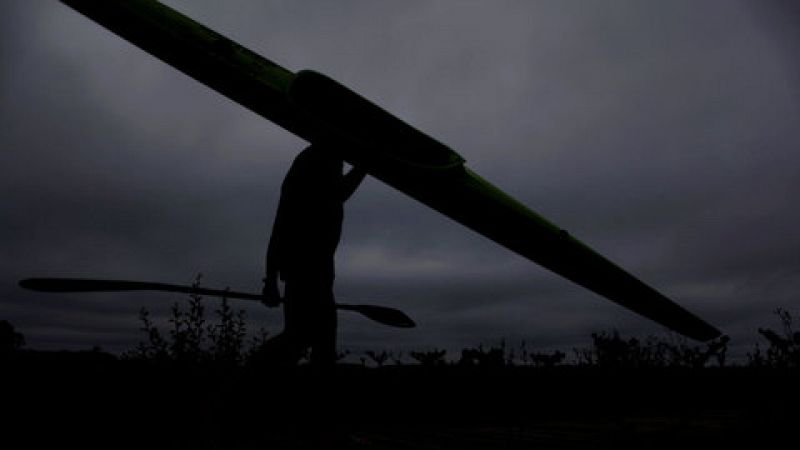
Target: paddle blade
[382, 314]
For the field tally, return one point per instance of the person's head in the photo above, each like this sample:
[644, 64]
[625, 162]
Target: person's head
[320, 160]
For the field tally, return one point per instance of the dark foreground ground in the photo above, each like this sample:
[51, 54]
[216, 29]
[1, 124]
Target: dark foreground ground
[93, 400]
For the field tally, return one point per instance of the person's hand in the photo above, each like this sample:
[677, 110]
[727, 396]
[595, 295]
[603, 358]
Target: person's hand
[271, 296]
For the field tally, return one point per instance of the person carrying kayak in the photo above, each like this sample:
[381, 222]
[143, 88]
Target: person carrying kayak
[301, 250]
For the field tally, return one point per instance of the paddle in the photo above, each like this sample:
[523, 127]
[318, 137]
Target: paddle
[381, 314]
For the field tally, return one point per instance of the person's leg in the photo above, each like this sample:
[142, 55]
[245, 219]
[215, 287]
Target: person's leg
[327, 431]
[285, 349]
[323, 343]
[288, 347]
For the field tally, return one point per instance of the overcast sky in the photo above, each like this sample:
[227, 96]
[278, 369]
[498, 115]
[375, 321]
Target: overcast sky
[663, 134]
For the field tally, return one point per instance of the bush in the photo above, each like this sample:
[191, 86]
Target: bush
[193, 341]
[612, 351]
[493, 357]
[430, 357]
[783, 351]
[10, 339]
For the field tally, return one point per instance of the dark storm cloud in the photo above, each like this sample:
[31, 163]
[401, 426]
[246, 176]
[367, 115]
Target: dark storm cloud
[662, 134]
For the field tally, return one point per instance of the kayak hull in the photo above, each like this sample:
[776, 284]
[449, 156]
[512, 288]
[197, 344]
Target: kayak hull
[321, 111]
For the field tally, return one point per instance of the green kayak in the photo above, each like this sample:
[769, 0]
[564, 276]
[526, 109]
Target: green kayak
[320, 110]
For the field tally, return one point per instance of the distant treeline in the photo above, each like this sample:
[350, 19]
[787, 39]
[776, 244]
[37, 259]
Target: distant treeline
[193, 339]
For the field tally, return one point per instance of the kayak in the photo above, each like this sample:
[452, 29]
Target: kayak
[322, 111]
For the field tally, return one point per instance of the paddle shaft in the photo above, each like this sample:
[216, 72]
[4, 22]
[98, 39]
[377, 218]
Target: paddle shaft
[382, 314]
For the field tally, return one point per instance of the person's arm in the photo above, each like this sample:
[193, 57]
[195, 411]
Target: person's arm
[351, 181]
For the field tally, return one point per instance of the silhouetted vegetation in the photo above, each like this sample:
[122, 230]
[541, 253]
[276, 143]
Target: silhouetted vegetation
[491, 357]
[783, 351]
[433, 357]
[10, 339]
[169, 390]
[610, 350]
[379, 358]
[192, 338]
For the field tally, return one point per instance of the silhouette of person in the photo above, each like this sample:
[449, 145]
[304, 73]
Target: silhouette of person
[300, 253]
